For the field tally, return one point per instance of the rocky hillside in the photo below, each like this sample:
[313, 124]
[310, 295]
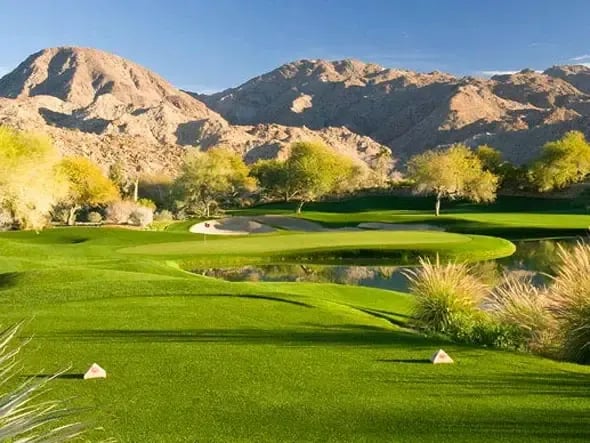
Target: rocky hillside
[105, 107]
[409, 111]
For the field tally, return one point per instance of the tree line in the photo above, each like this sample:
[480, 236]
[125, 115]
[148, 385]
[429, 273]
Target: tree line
[459, 172]
[38, 186]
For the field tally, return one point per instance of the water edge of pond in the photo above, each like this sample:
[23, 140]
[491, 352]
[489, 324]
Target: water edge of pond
[536, 258]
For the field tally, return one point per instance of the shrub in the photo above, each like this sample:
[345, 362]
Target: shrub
[447, 298]
[570, 303]
[489, 332]
[159, 188]
[522, 307]
[119, 212]
[147, 203]
[163, 216]
[141, 216]
[6, 221]
[60, 213]
[94, 217]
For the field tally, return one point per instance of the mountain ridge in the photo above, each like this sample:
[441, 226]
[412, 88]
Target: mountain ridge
[410, 111]
[106, 107]
[83, 97]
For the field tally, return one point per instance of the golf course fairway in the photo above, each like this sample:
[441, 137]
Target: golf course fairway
[192, 358]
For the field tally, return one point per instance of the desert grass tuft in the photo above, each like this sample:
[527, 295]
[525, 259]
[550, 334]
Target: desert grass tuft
[517, 303]
[570, 302]
[448, 296]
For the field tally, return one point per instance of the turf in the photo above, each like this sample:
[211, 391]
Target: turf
[515, 218]
[192, 358]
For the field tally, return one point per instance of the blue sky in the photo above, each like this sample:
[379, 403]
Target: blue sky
[210, 45]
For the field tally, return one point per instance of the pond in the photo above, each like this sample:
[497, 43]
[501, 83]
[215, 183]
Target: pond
[535, 258]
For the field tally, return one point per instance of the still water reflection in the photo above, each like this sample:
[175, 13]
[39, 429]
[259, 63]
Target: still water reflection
[535, 258]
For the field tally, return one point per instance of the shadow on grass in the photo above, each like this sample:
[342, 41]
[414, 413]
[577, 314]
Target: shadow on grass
[501, 382]
[407, 360]
[59, 377]
[9, 279]
[267, 298]
[262, 297]
[394, 318]
[345, 335]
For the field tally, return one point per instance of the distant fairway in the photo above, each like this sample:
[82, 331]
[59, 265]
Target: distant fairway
[193, 358]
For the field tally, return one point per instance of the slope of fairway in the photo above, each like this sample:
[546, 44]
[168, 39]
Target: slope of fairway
[288, 363]
[192, 358]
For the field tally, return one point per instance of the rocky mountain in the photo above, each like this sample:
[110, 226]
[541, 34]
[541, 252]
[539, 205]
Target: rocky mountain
[105, 107]
[410, 112]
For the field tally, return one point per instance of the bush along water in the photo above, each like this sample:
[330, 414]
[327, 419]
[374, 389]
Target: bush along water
[449, 299]
[552, 320]
[570, 303]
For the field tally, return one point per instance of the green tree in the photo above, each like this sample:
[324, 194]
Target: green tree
[88, 186]
[491, 159]
[29, 182]
[210, 177]
[562, 162]
[159, 188]
[509, 175]
[273, 178]
[382, 166]
[118, 175]
[311, 171]
[455, 172]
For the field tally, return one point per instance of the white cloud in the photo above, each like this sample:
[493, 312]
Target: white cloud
[492, 73]
[580, 58]
[3, 71]
[200, 89]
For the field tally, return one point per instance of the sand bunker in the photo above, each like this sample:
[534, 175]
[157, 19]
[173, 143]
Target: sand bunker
[242, 225]
[231, 226]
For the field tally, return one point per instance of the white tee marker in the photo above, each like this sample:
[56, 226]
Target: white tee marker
[441, 356]
[95, 371]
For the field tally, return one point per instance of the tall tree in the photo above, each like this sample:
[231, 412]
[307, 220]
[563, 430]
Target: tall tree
[273, 179]
[491, 159]
[209, 177]
[311, 171]
[382, 166]
[455, 172]
[562, 162]
[88, 186]
[29, 184]
[119, 176]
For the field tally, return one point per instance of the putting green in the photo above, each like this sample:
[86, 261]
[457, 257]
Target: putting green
[271, 246]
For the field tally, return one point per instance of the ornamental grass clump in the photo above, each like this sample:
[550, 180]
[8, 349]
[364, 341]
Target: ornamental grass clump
[24, 416]
[523, 308]
[570, 303]
[448, 298]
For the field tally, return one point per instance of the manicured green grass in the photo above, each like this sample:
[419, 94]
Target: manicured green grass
[193, 358]
[369, 244]
[514, 218]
